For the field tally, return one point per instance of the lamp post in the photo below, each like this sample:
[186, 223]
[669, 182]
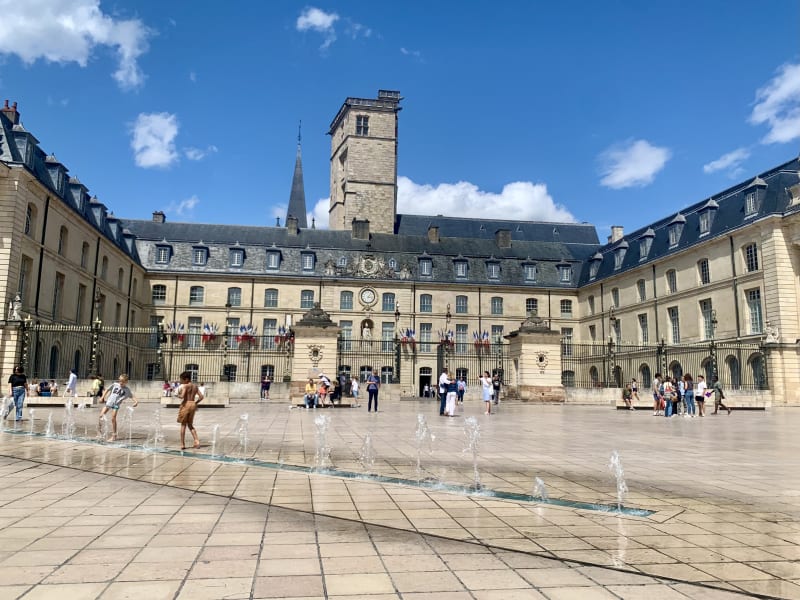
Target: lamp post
[612, 361]
[448, 316]
[713, 344]
[397, 343]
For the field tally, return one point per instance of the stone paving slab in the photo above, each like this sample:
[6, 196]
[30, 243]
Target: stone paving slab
[710, 528]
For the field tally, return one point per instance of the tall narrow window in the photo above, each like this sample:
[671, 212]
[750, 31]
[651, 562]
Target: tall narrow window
[672, 281]
[751, 258]
[235, 296]
[120, 278]
[199, 256]
[641, 290]
[307, 261]
[362, 125]
[590, 302]
[387, 302]
[346, 328]
[425, 334]
[197, 295]
[705, 221]
[675, 324]
[461, 305]
[593, 333]
[497, 334]
[271, 298]
[159, 294]
[81, 301]
[493, 270]
[566, 341]
[426, 303]
[461, 337]
[425, 267]
[58, 292]
[566, 308]
[307, 299]
[497, 305]
[104, 268]
[703, 271]
[530, 273]
[84, 254]
[63, 237]
[270, 328]
[707, 314]
[29, 216]
[195, 332]
[615, 297]
[531, 306]
[750, 207]
[754, 308]
[237, 257]
[346, 300]
[644, 334]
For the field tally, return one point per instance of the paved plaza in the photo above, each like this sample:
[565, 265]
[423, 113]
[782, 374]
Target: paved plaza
[86, 519]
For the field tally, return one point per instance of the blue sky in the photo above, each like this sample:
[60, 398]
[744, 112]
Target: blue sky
[608, 112]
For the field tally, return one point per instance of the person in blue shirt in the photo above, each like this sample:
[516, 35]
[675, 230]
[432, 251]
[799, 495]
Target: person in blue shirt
[373, 384]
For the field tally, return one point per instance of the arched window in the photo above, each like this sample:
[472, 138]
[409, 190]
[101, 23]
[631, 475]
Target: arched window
[617, 374]
[734, 372]
[120, 278]
[758, 370]
[77, 360]
[645, 377]
[676, 370]
[594, 376]
[30, 220]
[53, 370]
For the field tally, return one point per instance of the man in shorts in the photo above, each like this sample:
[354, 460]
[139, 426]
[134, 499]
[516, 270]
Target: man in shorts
[113, 399]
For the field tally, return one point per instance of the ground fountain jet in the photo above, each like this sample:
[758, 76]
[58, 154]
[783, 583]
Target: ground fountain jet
[242, 432]
[32, 413]
[424, 437]
[68, 424]
[48, 431]
[127, 422]
[540, 490]
[214, 439]
[367, 455]
[322, 457]
[472, 435]
[155, 432]
[615, 466]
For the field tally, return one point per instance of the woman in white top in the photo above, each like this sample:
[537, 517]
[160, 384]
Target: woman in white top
[486, 391]
[700, 395]
[354, 391]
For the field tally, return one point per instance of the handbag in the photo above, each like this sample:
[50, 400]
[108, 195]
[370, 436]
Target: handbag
[663, 404]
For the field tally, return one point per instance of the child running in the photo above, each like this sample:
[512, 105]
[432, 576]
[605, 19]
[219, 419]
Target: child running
[190, 396]
[113, 399]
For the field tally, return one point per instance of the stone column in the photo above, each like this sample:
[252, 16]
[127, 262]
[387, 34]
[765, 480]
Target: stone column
[315, 351]
[535, 352]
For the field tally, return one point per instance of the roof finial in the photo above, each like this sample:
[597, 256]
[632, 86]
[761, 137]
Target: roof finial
[300, 132]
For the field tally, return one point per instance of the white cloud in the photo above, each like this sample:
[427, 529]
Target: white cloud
[522, 200]
[632, 163]
[192, 76]
[199, 153]
[731, 160]
[778, 106]
[153, 140]
[319, 214]
[183, 208]
[66, 31]
[314, 19]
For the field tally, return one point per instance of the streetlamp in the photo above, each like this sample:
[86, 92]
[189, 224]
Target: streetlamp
[713, 344]
[448, 315]
[613, 322]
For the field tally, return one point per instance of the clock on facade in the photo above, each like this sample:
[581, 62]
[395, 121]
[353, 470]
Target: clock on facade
[367, 296]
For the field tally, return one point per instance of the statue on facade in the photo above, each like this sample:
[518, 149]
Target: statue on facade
[15, 309]
[773, 336]
[366, 332]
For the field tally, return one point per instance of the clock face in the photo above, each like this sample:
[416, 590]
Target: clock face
[367, 296]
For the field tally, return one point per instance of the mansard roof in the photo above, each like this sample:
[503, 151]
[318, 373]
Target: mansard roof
[728, 212]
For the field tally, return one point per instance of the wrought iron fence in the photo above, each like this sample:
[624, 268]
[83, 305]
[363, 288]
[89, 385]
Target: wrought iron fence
[361, 357]
[738, 365]
[49, 351]
[470, 361]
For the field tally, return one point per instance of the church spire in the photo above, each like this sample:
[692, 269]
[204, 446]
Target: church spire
[297, 199]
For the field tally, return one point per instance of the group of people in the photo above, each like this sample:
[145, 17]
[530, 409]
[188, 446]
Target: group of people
[452, 390]
[679, 396]
[325, 392]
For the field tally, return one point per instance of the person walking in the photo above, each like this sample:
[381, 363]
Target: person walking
[688, 395]
[627, 394]
[452, 396]
[373, 385]
[18, 391]
[266, 382]
[461, 389]
[113, 398]
[72, 384]
[486, 391]
[635, 389]
[496, 384]
[190, 397]
[719, 396]
[354, 386]
[657, 397]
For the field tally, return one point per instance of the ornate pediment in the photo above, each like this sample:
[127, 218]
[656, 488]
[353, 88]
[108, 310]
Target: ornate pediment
[371, 266]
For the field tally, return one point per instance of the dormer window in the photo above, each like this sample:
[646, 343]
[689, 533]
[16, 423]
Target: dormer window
[645, 243]
[750, 205]
[752, 197]
[393, 264]
[237, 257]
[273, 259]
[307, 260]
[460, 267]
[706, 216]
[594, 265]
[425, 267]
[342, 262]
[619, 254]
[163, 254]
[564, 273]
[199, 256]
[530, 272]
[675, 229]
[493, 270]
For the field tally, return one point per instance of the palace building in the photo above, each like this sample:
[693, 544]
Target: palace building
[711, 288]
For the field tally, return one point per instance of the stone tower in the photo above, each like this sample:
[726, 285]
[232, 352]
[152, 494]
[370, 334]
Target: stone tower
[364, 162]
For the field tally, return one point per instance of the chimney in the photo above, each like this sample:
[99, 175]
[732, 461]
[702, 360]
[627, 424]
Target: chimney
[616, 234]
[433, 234]
[11, 112]
[158, 216]
[503, 238]
[360, 229]
[291, 225]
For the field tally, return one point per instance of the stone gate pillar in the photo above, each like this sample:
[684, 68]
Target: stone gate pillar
[315, 350]
[535, 353]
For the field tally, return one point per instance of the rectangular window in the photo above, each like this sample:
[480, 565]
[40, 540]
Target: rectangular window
[751, 257]
[672, 281]
[425, 334]
[674, 235]
[117, 314]
[387, 302]
[346, 301]
[196, 295]
[270, 329]
[705, 222]
[497, 334]
[706, 312]
[273, 260]
[426, 303]
[531, 306]
[566, 341]
[703, 271]
[461, 305]
[566, 308]
[237, 258]
[497, 305]
[85, 255]
[58, 292]
[618, 330]
[615, 297]
[590, 302]
[425, 267]
[362, 125]
[565, 274]
[461, 269]
[754, 308]
[675, 324]
[644, 333]
[530, 272]
[199, 256]
[80, 303]
[750, 207]
[644, 247]
[307, 299]
[194, 331]
[162, 255]
[235, 296]
[387, 335]
[307, 261]
[493, 270]
[159, 294]
[271, 298]
[461, 338]
[593, 333]
[641, 290]
[346, 328]
[231, 330]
